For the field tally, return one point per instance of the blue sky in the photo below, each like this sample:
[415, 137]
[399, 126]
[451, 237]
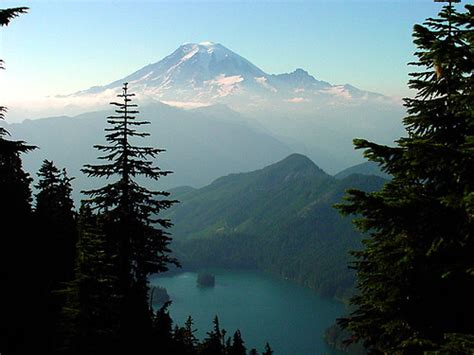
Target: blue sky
[63, 46]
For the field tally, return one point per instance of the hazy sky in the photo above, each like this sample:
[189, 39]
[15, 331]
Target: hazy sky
[63, 46]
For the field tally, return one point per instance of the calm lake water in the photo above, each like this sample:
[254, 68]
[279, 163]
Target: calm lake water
[291, 318]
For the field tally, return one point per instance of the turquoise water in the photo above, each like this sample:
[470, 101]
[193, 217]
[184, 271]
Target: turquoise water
[291, 318]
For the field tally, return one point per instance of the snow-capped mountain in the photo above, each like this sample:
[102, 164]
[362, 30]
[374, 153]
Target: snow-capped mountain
[220, 87]
[206, 73]
[310, 116]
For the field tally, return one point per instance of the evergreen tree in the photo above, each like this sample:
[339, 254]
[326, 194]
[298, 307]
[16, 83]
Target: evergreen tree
[55, 213]
[214, 344]
[268, 350]
[18, 323]
[163, 330]
[189, 339]
[17, 258]
[55, 219]
[228, 345]
[416, 271]
[90, 317]
[178, 340]
[132, 215]
[6, 15]
[237, 347]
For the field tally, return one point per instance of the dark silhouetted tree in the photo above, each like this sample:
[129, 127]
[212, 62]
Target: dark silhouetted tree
[268, 350]
[163, 330]
[189, 338]
[6, 15]
[18, 245]
[91, 316]
[214, 343]
[416, 271]
[133, 227]
[55, 213]
[237, 347]
[56, 222]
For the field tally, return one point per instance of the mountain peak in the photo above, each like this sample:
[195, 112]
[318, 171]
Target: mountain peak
[207, 43]
[204, 73]
[299, 161]
[299, 71]
[295, 168]
[300, 77]
[194, 72]
[295, 165]
[202, 45]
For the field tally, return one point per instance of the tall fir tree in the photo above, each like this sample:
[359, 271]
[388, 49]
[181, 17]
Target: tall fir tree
[184, 338]
[416, 271]
[54, 211]
[90, 317]
[162, 334]
[268, 350]
[135, 232]
[18, 324]
[189, 340]
[214, 344]
[237, 347]
[56, 222]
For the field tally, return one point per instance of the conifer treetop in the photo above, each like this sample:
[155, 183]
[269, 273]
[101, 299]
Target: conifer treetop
[125, 161]
[419, 227]
[6, 15]
[7, 146]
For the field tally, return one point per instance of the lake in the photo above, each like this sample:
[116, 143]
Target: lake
[291, 318]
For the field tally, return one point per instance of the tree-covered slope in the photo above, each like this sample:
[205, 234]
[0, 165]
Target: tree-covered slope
[278, 219]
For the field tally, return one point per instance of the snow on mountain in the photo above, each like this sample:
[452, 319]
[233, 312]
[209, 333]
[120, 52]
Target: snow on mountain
[194, 72]
[206, 73]
[309, 115]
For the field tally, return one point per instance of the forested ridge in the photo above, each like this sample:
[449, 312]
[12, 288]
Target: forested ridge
[278, 219]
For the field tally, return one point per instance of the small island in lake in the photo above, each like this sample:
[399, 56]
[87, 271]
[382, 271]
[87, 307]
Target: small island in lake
[159, 295]
[205, 279]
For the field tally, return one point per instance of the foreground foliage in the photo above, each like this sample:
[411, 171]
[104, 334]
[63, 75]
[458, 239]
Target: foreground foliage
[416, 272]
[16, 261]
[90, 294]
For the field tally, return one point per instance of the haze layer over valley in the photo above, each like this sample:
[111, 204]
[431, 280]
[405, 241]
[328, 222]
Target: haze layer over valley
[214, 87]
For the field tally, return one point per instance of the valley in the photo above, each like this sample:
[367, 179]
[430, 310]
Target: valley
[278, 219]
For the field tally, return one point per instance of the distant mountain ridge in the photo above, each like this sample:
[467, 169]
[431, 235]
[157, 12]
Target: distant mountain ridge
[278, 219]
[199, 146]
[367, 168]
[303, 113]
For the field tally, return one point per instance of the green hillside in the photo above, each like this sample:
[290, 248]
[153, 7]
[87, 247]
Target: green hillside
[278, 219]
